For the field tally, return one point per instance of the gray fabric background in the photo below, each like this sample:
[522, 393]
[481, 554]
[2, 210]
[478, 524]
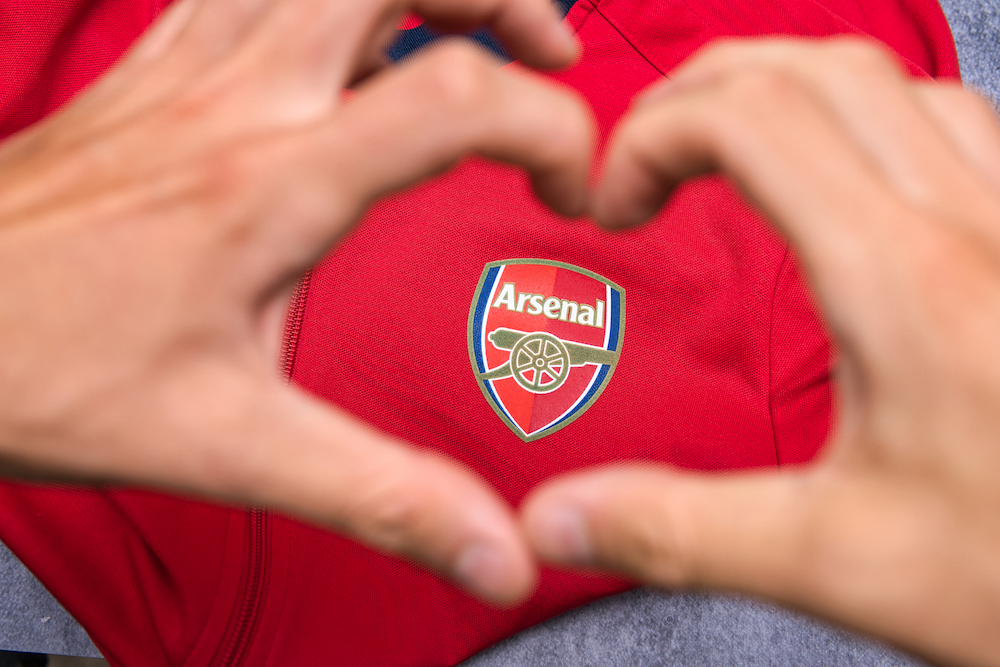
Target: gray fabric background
[648, 628]
[31, 620]
[643, 628]
[975, 25]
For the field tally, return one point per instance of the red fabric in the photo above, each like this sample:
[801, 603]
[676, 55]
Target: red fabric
[724, 364]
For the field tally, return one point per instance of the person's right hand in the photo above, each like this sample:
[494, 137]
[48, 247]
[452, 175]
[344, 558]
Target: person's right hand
[151, 232]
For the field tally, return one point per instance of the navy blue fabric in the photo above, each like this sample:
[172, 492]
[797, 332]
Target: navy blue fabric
[419, 37]
[415, 39]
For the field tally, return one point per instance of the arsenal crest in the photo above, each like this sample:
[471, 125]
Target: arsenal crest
[544, 339]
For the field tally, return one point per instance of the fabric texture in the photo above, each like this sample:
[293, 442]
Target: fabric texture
[648, 628]
[975, 25]
[723, 365]
[30, 618]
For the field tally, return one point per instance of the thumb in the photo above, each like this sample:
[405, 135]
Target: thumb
[673, 529]
[855, 547]
[273, 445]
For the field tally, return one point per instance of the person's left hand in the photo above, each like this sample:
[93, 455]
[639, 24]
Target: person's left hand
[889, 189]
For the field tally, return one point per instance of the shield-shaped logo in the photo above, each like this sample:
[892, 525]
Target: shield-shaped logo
[544, 339]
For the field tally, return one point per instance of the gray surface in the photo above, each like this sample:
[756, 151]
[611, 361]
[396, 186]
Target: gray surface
[975, 24]
[31, 620]
[636, 629]
[647, 628]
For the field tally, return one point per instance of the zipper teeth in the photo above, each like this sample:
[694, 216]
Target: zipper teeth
[258, 518]
[254, 591]
[293, 324]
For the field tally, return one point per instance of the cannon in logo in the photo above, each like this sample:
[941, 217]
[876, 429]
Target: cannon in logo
[539, 361]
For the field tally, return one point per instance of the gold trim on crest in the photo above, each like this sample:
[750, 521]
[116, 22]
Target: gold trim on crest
[543, 350]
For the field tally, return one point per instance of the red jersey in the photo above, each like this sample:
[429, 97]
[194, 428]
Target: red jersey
[466, 318]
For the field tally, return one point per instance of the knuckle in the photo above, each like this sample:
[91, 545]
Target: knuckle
[859, 55]
[220, 175]
[720, 53]
[572, 134]
[973, 100]
[658, 541]
[937, 250]
[658, 554]
[389, 514]
[458, 75]
[215, 186]
[395, 509]
[765, 89]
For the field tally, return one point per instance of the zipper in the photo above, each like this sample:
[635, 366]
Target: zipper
[293, 324]
[258, 518]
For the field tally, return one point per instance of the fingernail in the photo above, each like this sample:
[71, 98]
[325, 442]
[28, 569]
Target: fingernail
[561, 534]
[569, 43]
[482, 568]
[624, 215]
[656, 92]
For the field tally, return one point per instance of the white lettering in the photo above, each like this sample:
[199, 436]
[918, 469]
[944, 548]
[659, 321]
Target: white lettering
[521, 298]
[570, 309]
[536, 304]
[552, 306]
[506, 296]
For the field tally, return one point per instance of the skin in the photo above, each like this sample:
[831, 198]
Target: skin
[163, 217]
[151, 232]
[889, 190]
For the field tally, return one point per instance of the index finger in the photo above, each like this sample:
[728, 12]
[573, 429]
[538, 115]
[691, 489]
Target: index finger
[531, 29]
[792, 158]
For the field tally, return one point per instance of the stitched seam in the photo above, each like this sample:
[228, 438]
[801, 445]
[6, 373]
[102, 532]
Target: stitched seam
[770, 358]
[632, 41]
[586, 16]
[864, 33]
[695, 12]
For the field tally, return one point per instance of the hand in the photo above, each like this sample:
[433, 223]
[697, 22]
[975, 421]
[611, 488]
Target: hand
[889, 189]
[151, 233]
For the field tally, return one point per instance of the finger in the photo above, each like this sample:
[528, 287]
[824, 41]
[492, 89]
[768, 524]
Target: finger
[266, 75]
[200, 48]
[531, 29]
[189, 39]
[113, 97]
[177, 69]
[766, 132]
[865, 89]
[670, 529]
[970, 123]
[235, 59]
[419, 505]
[321, 66]
[191, 36]
[844, 548]
[802, 169]
[454, 101]
[259, 441]
[418, 120]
